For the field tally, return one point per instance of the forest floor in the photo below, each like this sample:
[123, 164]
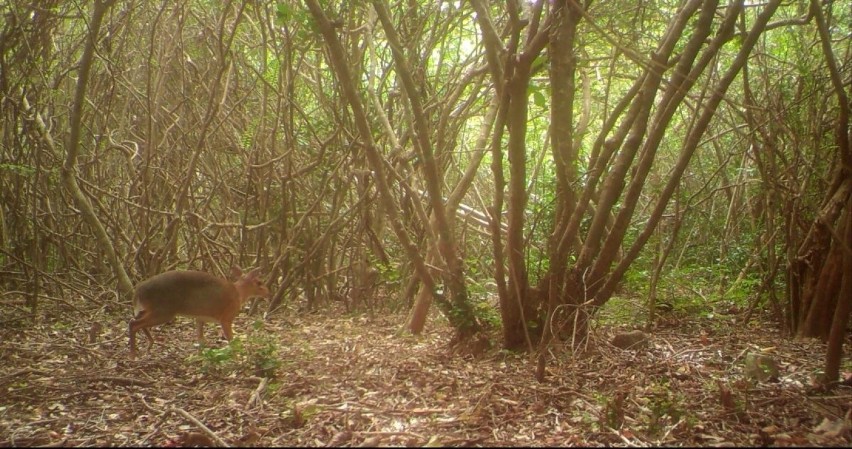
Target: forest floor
[319, 379]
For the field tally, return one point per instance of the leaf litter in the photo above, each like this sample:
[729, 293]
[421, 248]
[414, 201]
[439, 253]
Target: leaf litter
[355, 381]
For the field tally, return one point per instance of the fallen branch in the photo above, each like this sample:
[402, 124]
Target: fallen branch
[163, 416]
[165, 413]
[256, 398]
[220, 442]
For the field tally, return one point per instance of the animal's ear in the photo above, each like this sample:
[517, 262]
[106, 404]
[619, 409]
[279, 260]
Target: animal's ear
[253, 274]
[236, 273]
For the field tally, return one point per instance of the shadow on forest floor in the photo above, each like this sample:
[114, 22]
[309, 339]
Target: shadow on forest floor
[353, 381]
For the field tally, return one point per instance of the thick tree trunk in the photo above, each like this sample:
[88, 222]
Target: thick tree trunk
[834, 351]
[511, 75]
[423, 300]
[514, 319]
[562, 75]
[519, 307]
[814, 284]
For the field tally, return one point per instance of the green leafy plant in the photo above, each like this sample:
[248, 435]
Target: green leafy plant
[257, 355]
[387, 271]
[263, 353]
[218, 360]
[664, 407]
[621, 310]
[23, 170]
[487, 314]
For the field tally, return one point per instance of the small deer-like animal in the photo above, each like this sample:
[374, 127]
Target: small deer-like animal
[194, 294]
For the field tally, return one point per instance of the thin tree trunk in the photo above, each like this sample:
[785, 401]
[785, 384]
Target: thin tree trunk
[69, 167]
[454, 276]
[679, 84]
[423, 300]
[661, 255]
[337, 57]
[689, 147]
[170, 234]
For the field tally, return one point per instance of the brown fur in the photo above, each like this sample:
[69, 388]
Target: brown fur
[195, 294]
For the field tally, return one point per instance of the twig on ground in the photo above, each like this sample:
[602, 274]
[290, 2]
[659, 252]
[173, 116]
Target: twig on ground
[256, 398]
[220, 442]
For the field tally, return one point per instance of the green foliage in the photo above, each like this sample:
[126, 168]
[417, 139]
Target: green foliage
[621, 310]
[487, 313]
[602, 401]
[539, 96]
[21, 170]
[273, 66]
[296, 416]
[218, 360]
[61, 326]
[483, 302]
[257, 356]
[387, 271]
[283, 13]
[457, 315]
[663, 406]
[247, 138]
[636, 278]
[263, 357]
[700, 277]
